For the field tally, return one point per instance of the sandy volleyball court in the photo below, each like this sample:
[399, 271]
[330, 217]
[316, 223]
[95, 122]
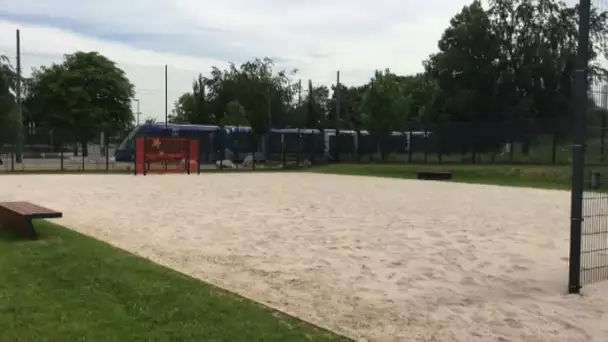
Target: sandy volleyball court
[375, 259]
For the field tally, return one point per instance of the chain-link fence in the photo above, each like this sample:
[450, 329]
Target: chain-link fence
[511, 142]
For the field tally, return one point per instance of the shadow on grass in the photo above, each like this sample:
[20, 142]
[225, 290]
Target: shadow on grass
[8, 235]
[14, 236]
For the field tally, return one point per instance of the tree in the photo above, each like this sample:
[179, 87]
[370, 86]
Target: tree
[353, 101]
[83, 96]
[383, 106]
[200, 110]
[8, 79]
[464, 68]
[184, 109]
[420, 92]
[234, 115]
[150, 120]
[316, 101]
[266, 97]
[511, 62]
[538, 41]
[350, 102]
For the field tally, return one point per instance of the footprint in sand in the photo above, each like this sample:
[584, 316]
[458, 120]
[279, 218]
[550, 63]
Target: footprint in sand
[472, 257]
[546, 245]
[462, 239]
[517, 263]
[469, 281]
[441, 243]
[484, 264]
[457, 310]
[518, 267]
[434, 233]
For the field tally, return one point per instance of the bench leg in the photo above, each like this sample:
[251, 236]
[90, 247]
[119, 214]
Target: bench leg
[23, 225]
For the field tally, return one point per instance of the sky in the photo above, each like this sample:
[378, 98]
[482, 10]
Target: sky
[317, 37]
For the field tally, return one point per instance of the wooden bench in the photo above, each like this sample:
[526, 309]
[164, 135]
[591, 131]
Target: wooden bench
[19, 215]
[434, 175]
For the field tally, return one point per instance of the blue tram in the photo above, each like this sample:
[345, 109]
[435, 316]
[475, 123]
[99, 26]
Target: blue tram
[235, 142]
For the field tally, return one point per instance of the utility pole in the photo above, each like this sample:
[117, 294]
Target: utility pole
[138, 113]
[166, 98]
[337, 118]
[19, 155]
[299, 93]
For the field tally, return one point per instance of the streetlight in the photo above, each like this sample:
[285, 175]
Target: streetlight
[138, 112]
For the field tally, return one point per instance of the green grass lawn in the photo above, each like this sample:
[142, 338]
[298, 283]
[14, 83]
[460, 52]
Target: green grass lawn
[539, 176]
[69, 287]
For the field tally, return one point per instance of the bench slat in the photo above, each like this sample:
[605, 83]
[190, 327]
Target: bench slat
[30, 210]
[432, 175]
[19, 215]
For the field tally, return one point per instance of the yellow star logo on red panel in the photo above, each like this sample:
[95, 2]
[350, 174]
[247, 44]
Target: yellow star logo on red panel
[156, 143]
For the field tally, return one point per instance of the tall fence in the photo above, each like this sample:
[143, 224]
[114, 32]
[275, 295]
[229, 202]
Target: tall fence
[593, 203]
[589, 200]
[52, 149]
[512, 142]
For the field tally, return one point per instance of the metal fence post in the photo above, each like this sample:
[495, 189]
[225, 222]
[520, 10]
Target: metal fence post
[83, 143]
[578, 148]
[61, 157]
[299, 148]
[603, 138]
[554, 148]
[409, 152]
[12, 157]
[426, 147]
[187, 161]
[257, 147]
[198, 158]
[283, 154]
[106, 148]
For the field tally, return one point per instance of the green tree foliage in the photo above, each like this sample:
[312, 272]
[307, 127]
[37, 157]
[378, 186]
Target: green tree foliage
[8, 79]
[316, 101]
[87, 93]
[384, 105]
[420, 93]
[266, 96]
[464, 67]
[8, 120]
[511, 61]
[184, 109]
[234, 115]
[200, 113]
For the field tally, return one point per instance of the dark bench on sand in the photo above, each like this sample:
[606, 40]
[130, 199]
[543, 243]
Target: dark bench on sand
[435, 175]
[19, 216]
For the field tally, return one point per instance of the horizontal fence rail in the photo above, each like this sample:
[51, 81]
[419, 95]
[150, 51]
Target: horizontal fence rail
[512, 142]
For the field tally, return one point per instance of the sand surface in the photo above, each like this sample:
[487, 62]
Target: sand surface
[375, 259]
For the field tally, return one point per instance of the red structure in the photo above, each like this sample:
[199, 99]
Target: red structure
[165, 155]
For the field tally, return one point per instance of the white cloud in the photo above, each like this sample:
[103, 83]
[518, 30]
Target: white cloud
[317, 37]
[43, 46]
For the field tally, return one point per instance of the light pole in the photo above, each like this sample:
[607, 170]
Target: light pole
[138, 112]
